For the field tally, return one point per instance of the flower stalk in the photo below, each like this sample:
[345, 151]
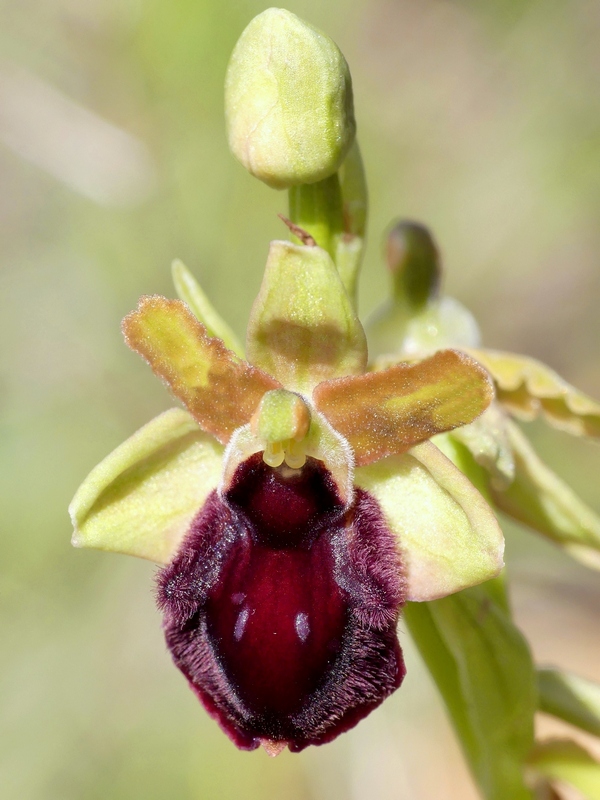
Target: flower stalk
[318, 209]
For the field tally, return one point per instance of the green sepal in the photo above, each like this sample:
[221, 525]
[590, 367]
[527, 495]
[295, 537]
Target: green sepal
[483, 669]
[303, 328]
[569, 697]
[447, 534]
[538, 498]
[141, 498]
[190, 291]
[565, 766]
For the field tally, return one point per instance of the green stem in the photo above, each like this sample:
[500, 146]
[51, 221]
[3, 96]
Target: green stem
[354, 193]
[317, 208]
[483, 669]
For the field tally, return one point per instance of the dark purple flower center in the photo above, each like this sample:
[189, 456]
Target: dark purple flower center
[280, 607]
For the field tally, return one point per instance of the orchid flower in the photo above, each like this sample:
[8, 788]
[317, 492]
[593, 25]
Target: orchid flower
[305, 496]
[295, 505]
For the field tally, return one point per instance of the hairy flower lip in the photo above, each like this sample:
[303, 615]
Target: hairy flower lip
[282, 504]
[287, 641]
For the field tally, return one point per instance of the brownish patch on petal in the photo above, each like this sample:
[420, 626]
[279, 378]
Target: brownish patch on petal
[220, 390]
[383, 413]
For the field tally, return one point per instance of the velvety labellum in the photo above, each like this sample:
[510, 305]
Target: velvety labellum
[281, 607]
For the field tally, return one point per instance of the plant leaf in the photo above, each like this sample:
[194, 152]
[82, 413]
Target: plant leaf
[540, 499]
[527, 388]
[385, 413]
[219, 389]
[566, 762]
[483, 669]
[448, 535]
[141, 499]
[571, 698]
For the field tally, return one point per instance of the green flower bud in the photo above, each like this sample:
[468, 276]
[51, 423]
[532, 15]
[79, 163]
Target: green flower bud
[288, 101]
[416, 320]
[414, 263]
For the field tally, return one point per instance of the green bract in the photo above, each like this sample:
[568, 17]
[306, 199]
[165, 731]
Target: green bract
[288, 101]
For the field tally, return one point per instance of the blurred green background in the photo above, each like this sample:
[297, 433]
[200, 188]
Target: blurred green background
[480, 119]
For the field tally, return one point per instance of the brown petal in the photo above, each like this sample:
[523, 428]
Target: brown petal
[382, 413]
[219, 389]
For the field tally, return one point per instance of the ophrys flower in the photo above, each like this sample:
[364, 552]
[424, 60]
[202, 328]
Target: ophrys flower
[295, 504]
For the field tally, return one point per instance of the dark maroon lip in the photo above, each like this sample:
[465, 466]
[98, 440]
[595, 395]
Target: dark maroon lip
[281, 607]
[285, 508]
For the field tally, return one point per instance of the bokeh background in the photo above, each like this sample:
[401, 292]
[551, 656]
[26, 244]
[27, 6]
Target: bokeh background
[480, 119]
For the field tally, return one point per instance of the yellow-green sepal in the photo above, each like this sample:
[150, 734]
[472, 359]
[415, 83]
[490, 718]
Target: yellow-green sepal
[527, 388]
[540, 499]
[141, 499]
[190, 291]
[447, 534]
[303, 328]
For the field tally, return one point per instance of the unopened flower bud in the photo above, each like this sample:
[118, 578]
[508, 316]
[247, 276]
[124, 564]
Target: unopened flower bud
[414, 263]
[416, 320]
[288, 101]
